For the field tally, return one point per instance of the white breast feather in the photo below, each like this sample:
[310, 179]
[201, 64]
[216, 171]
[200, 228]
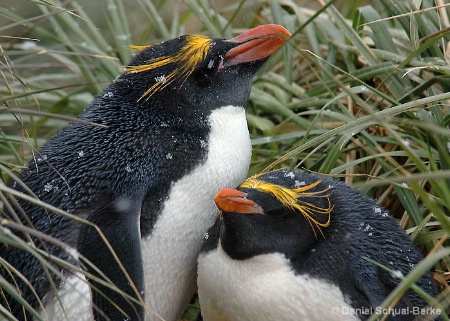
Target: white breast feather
[264, 288]
[188, 213]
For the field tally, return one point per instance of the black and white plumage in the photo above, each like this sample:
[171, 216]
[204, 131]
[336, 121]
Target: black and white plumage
[142, 163]
[297, 246]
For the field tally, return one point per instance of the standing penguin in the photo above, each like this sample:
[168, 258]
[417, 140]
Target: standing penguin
[297, 246]
[141, 165]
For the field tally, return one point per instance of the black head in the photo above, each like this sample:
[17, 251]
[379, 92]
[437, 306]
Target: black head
[199, 71]
[273, 213]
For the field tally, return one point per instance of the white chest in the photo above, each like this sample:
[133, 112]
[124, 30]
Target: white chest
[170, 251]
[264, 288]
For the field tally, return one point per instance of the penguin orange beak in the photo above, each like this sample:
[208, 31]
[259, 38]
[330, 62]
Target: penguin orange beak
[255, 44]
[233, 201]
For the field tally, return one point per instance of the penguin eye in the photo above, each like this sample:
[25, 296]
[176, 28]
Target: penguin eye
[214, 59]
[273, 207]
[279, 214]
[208, 70]
[212, 64]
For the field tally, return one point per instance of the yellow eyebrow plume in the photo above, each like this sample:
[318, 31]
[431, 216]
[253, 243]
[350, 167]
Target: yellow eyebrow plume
[187, 59]
[292, 199]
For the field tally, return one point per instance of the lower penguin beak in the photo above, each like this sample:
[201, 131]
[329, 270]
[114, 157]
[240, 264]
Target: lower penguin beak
[233, 201]
[255, 44]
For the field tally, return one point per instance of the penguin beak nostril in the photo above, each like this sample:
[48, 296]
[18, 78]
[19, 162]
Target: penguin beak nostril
[233, 201]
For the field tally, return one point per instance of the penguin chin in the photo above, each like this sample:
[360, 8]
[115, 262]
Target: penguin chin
[243, 236]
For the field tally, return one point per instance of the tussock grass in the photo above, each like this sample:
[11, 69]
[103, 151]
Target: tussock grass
[360, 92]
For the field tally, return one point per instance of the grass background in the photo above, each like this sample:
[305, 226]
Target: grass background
[360, 92]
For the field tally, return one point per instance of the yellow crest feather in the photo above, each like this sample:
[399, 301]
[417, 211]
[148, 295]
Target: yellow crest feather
[136, 48]
[188, 58]
[292, 198]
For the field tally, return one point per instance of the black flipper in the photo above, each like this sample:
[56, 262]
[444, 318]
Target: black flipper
[373, 291]
[376, 292]
[120, 225]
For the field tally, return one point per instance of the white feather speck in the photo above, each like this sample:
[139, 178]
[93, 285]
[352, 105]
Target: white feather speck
[298, 183]
[161, 79]
[397, 274]
[48, 187]
[290, 175]
[203, 144]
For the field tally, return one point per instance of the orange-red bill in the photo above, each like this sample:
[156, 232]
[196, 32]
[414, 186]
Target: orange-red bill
[255, 44]
[233, 201]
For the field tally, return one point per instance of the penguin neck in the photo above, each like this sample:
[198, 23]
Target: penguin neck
[188, 212]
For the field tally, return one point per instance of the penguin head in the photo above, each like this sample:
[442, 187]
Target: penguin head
[273, 213]
[207, 73]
